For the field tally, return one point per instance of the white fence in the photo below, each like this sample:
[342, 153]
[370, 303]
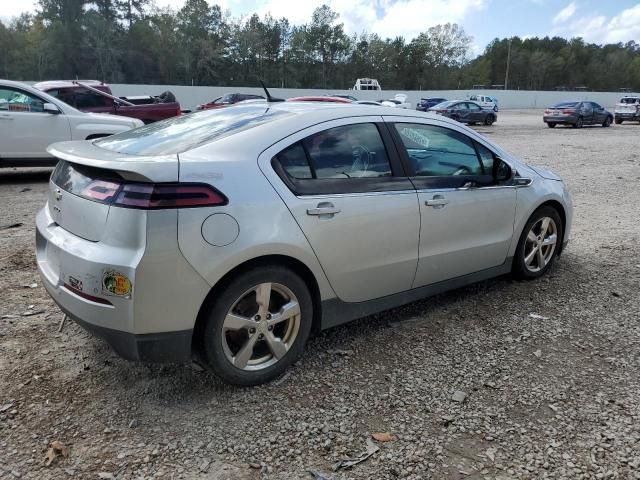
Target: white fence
[190, 97]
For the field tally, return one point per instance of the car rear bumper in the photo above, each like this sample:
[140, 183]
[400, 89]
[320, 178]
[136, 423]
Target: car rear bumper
[559, 119]
[154, 321]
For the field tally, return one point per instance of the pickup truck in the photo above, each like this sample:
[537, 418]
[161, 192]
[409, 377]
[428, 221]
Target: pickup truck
[628, 108]
[94, 96]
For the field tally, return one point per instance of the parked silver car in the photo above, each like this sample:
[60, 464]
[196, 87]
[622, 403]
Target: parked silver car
[233, 233]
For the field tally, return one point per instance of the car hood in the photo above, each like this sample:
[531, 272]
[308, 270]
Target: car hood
[544, 173]
[114, 119]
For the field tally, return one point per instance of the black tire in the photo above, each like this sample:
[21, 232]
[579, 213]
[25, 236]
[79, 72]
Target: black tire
[579, 123]
[618, 121]
[551, 124]
[519, 268]
[213, 336]
[489, 119]
[607, 122]
[471, 123]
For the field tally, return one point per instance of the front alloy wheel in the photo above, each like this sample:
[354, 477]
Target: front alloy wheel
[257, 325]
[539, 243]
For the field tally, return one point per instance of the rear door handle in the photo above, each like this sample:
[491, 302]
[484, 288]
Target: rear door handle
[323, 208]
[438, 201]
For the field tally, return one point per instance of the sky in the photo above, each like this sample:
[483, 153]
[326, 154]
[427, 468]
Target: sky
[596, 21]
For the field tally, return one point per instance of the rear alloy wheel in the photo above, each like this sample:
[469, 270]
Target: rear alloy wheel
[607, 122]
[551, 124]
[539, 244]
[579, 123]
[489, 120]
[258, 326]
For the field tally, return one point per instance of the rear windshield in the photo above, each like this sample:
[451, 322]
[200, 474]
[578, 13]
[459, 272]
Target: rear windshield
[179, 134]
[630, 100]
[565, 104]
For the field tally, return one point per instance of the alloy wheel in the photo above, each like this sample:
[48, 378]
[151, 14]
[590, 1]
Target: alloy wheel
[261, 326]
[540, 244]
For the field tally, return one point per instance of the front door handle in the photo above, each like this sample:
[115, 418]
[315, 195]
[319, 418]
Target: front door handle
[323, 208]
[438, 201]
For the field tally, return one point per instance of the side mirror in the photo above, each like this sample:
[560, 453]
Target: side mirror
[502, 172]
[50, 108]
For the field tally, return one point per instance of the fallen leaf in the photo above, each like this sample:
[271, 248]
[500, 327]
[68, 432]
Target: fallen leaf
[56, 449]
[382, 436]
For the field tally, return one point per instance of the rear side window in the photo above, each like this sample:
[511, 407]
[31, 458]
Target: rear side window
[436, 151]
[351, 151]
[88, 99]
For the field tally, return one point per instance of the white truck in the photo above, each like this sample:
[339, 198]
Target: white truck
[367, 84]
[627, 109]
[31, 120]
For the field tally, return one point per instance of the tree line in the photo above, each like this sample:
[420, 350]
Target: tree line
[133, 41]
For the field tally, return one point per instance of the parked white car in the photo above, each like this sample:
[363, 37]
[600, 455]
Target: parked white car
[31, 120]
[399, 101]
[367, 84]
[628, 108]
[485, 101]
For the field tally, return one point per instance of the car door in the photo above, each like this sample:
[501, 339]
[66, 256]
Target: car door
[346, 189]
[599, 113]
[586, 112]
[476, 113]
[466, 217]
[461, 113]
[26, 130]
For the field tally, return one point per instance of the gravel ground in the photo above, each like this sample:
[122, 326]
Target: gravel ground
[500, 380]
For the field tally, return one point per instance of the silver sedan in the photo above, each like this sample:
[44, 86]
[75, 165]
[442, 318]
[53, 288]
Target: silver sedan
[232, 234]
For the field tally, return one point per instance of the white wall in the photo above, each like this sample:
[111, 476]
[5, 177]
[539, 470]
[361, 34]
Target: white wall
[189, 97]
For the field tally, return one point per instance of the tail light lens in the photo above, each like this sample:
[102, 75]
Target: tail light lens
[154, 196]
[568, 111]
[547, 111]
[178, 112]
[158, 196]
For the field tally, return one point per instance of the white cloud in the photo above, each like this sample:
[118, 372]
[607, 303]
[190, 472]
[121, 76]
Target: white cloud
[387, 18]
[599, 29]
[565, 14]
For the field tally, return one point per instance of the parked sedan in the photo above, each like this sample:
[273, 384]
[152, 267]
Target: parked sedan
[465, 112]
[577, 114]
[31, 120]
[426, 103]
[233, 233]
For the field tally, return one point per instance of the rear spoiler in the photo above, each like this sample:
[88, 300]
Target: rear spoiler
[104, 94]
[161, 168]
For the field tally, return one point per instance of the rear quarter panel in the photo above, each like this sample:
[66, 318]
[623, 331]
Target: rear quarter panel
[266, 227]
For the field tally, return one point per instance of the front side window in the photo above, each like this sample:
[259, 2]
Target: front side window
[14, 100]
[437, 152]
[473, 106]
[350, 151]
[487, 158]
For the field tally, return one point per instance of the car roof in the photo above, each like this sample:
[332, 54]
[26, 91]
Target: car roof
[48, 85]
[319, 98]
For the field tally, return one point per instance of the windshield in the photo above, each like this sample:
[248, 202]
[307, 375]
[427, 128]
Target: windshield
[179, 134]
[630, 100]
[565, 104]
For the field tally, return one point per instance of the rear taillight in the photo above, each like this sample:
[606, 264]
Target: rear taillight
[178, 112]
[148, 196]
[547, 111]
[568, 111]
[153, 196]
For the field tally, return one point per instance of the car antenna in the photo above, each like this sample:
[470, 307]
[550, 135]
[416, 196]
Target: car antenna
[269, 97]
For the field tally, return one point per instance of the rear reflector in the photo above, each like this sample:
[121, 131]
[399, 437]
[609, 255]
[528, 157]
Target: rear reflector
[86, 296]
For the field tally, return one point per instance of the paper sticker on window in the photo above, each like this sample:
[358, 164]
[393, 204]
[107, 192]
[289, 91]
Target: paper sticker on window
[415, 136]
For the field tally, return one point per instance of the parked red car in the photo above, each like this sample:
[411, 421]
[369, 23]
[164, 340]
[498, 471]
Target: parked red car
[228, 99]
[94, 96]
